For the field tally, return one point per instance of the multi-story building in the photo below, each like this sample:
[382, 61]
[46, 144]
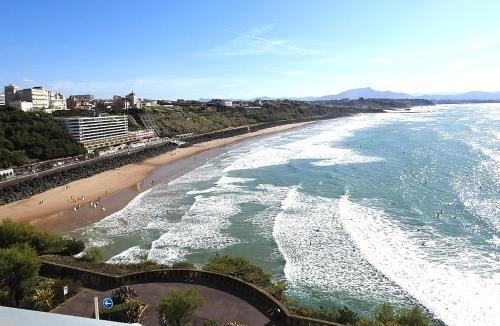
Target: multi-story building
[97, 132]
[120, 102]
[22, 105]
[11, 93]
[133, 100]
[57, 101]
[2, 99]
[79, 103]
[38, 96]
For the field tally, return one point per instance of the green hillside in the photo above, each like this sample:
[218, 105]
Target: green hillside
[27, 137]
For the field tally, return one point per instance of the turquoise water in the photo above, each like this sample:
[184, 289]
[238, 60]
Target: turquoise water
[401, 207]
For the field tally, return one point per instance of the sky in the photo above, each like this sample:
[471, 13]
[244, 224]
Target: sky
[245, 49]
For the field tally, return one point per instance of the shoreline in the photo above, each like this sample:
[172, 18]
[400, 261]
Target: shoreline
[114, 189]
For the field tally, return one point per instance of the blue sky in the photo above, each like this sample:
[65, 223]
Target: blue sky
[244, 49]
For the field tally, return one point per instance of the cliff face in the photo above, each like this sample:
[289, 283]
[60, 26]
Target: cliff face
[200, 119]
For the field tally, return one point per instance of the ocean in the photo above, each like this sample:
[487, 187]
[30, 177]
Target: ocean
[402, 207]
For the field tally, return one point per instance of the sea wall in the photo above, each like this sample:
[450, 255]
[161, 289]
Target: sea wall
[261, 300]
[27, 186]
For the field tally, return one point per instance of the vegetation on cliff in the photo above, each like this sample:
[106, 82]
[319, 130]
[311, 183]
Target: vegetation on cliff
[26, 137]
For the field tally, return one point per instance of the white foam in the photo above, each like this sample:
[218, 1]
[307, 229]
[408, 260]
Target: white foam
[457, 297]
[132, 255]
[316, 147]
[319, 255]
[202, 227]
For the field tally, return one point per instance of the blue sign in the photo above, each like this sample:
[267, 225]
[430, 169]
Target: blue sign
[107, 303]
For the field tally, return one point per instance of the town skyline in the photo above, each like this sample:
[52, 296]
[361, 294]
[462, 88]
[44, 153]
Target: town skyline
[237, 50]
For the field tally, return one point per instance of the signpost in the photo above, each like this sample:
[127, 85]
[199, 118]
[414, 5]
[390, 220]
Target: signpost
[96, 307]
[108, 304]
[65, 292]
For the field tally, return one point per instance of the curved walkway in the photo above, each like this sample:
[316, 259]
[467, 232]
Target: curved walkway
[219, 305]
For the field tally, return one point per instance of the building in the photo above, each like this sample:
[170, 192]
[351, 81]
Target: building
[88, 97]
[145, 103]
[22, 105]
[97, 132]
[57, 101]
[36, 95]
[11, 93]
[221, 102]
[80, 103]
[2, 99]
[40, 98]
[133, 100]
[120, 102]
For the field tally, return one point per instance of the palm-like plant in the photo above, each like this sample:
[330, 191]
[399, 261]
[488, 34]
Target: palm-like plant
[42, 299]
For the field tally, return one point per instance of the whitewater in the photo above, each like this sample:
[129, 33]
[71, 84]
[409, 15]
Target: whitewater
[400, 207]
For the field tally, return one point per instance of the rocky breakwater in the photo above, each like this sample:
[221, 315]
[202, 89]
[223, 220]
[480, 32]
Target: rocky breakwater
[30, 185]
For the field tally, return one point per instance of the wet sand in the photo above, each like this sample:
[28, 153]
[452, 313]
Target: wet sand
[54, 209]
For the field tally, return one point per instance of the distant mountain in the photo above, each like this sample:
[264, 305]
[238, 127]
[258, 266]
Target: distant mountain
[368, 92]
[474, 95]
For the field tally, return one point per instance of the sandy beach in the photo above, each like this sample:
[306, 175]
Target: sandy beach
[68, 207]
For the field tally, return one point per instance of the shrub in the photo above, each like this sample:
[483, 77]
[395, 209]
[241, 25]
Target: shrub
[127, 312]
[42, 299]
[18, 271]
[43, 242]
[92, 255]
[183, 265]
[413, 317]
[211, 322]
[73, 247]
[242, 268]
[238, 267]
[177, 308]
[58, 286]
[385, 315]
[123, 294]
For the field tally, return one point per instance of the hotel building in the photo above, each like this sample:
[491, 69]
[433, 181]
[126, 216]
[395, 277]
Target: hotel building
[101, 131]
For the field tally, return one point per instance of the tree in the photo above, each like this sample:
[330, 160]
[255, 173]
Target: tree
[43, 242]
[18, 271]
[177, 308]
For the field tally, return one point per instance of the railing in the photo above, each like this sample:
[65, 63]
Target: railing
[261, 300]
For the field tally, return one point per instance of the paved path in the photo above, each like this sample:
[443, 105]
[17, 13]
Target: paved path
[219, 305]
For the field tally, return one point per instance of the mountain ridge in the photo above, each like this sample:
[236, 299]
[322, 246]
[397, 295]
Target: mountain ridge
[368, 92]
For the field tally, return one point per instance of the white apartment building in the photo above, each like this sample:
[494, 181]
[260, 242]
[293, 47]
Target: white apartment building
[133, 100]
[22, 105]
[38, 96]
[97, 132]
[2, 99]
[57, 101]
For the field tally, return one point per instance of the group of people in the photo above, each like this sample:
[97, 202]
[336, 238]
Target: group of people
[96, 204]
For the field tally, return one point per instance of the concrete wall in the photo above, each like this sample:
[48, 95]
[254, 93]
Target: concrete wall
[264, 302]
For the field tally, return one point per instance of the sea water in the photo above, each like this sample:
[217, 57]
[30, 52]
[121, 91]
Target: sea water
[400, 207]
